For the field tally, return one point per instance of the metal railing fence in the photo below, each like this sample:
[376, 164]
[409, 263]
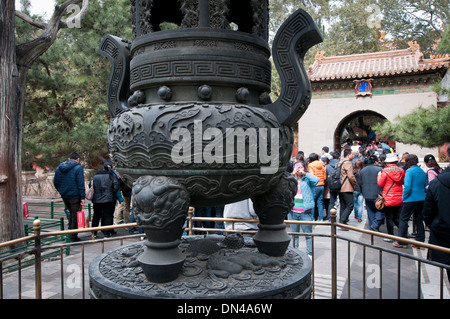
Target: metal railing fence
[36, 252]
[52, 209]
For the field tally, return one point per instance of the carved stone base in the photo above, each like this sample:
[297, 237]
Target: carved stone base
[211, 271]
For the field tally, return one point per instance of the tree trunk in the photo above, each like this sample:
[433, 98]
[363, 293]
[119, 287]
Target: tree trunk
[14, 64]
[11, 223]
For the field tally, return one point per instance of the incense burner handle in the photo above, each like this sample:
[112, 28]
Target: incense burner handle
[117, 50]
[294, 38]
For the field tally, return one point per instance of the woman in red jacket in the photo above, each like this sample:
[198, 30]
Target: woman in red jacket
[391, 180]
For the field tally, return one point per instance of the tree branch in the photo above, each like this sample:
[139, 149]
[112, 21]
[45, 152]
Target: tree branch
[24, 17]
[28, 52]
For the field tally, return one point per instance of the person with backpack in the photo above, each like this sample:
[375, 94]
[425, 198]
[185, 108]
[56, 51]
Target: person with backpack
[348, 181]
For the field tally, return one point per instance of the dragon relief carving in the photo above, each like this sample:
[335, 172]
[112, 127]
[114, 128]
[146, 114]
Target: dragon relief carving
[139, 137]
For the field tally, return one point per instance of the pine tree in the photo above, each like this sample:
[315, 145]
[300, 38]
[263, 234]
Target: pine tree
[427, 127]
[444, 44]
[66, 109]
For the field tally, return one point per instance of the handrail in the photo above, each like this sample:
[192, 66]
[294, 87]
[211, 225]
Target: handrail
[393, 237]
[231, 220]
[333, 224]
[13, 242]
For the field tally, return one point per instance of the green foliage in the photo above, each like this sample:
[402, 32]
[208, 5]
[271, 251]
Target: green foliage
[280, 10]
[444, 44]
[65, 107]
[427, 127]
[343, 25]
[412, 20]
[350, 32]
[345, 28]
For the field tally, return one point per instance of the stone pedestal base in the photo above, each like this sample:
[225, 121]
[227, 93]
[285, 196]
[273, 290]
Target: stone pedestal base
[211, 271]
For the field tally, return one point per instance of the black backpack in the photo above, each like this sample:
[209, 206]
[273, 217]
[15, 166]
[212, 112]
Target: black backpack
[334, 178]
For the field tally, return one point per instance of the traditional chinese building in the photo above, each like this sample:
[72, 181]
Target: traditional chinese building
[353, 92]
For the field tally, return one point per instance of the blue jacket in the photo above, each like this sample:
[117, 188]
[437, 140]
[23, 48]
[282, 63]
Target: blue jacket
[69, 180]
[306, 185]
[415, 185]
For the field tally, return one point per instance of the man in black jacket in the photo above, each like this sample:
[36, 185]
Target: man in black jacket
[106, 186]
[436, 215]
[69, 181]
[370, 191]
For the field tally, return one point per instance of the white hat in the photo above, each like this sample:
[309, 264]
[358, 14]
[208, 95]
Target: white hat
[391, 158]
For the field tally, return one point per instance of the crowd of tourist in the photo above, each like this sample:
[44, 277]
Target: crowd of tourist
[366, 171]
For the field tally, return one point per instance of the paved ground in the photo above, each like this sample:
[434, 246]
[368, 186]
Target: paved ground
[350, 271]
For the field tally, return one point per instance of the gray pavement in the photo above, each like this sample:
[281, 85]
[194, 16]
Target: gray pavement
[350, 271]
[71, 275]
[363, 276]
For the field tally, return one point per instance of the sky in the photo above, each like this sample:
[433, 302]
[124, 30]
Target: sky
[40, 7]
